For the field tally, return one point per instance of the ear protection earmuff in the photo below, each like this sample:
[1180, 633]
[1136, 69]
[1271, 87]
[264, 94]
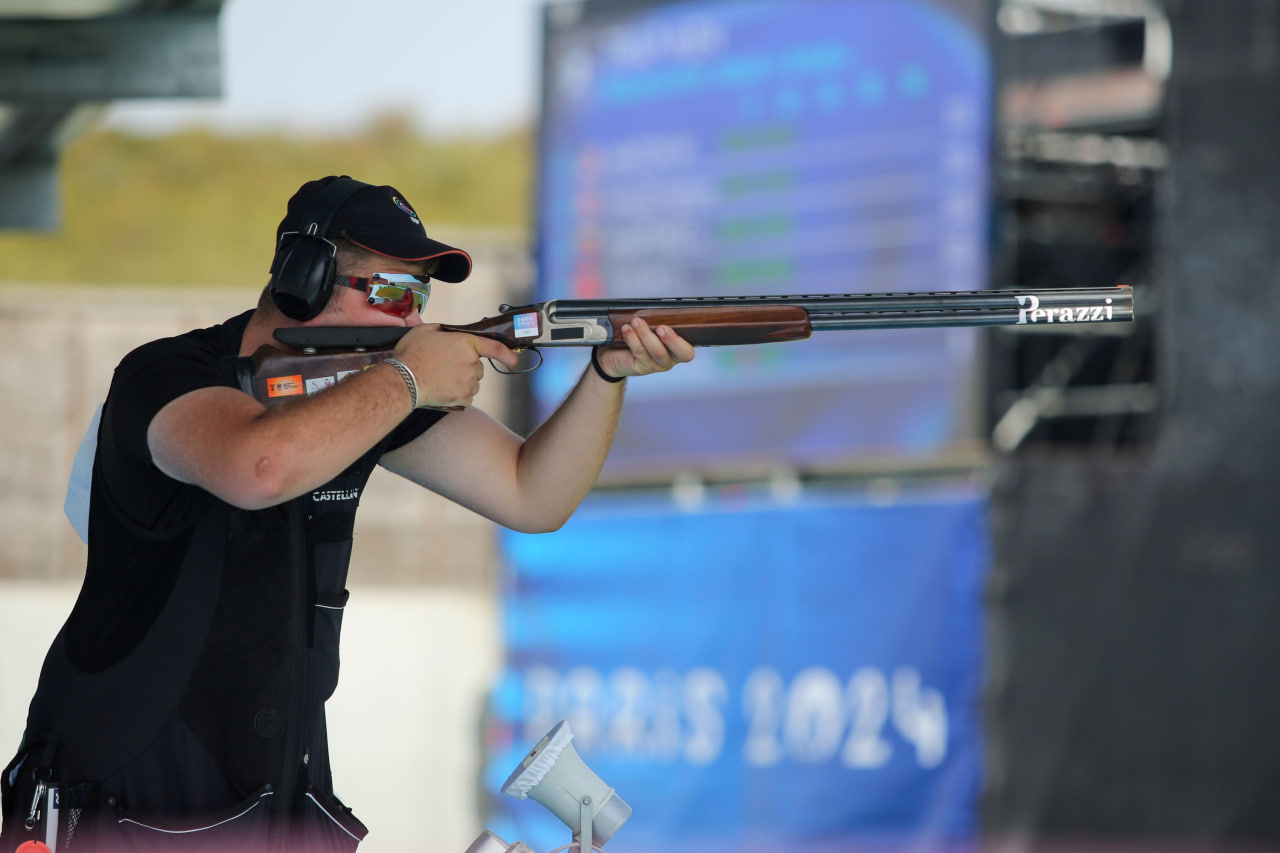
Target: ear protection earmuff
[303, 267]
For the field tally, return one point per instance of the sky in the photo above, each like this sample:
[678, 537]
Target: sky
[452, 65]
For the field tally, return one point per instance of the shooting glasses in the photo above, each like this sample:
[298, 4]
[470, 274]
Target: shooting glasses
[396, 293]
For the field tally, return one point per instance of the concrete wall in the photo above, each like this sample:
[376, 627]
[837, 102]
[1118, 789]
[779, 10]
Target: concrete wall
[421, 642]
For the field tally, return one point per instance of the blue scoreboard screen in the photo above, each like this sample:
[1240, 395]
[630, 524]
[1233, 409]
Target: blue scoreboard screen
[742, 147]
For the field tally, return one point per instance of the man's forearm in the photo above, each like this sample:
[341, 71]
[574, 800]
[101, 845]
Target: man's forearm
[227, 444]
[562, 458]
[534, 484]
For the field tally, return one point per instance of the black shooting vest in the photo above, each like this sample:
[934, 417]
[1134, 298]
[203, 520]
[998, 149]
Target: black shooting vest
[244, 652]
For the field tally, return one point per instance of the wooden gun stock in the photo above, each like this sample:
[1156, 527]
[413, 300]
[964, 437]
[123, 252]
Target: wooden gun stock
[275, 376]
[719, 327]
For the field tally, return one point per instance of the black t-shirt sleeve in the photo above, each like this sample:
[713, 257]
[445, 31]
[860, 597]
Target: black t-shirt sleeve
[150, 378]
[146, 381]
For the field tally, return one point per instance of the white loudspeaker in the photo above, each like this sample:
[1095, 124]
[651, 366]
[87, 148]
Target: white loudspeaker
[554, 775]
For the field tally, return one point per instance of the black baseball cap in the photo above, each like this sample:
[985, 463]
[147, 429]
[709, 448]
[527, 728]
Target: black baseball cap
[379, 219]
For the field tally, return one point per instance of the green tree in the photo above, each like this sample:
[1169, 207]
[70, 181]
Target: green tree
[201, 208]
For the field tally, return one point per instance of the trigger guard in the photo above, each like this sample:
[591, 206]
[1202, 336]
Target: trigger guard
[501, 368]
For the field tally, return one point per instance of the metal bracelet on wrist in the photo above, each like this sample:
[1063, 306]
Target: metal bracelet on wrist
[406, 374]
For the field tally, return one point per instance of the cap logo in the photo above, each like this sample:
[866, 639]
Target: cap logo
[407, 209]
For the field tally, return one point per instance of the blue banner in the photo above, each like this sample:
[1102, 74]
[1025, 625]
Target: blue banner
[753, 676]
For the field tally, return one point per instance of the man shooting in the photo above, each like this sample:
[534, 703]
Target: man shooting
[181, 706]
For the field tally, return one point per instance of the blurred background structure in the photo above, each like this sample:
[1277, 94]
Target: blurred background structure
[875, 590]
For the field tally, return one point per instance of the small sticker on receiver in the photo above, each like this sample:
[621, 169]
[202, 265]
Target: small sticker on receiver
[526, 325]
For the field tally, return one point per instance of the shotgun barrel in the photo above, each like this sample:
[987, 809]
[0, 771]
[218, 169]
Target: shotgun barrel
[836, 311]
[709, 320]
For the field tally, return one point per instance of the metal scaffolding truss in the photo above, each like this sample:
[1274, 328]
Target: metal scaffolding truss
[62, 61]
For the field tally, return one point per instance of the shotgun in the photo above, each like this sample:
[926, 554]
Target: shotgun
[324, 355]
